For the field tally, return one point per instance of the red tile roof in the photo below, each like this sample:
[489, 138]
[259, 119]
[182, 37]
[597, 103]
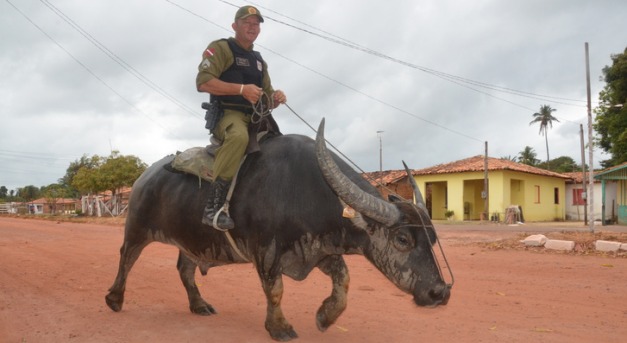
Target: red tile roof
[475, 164]
[472, 164]
[386, 177]
[577, 177]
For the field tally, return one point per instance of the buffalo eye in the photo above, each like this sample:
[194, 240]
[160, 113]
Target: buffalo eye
[403, 241]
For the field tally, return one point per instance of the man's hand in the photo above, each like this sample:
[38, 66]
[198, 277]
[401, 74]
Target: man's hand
[278, 97]
[251, 93]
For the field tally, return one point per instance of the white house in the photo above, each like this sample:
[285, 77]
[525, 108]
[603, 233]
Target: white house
[575, 203]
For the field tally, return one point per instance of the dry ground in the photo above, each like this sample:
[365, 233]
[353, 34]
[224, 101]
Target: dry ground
[54, 276]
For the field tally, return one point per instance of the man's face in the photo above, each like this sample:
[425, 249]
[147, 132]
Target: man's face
[247, 30]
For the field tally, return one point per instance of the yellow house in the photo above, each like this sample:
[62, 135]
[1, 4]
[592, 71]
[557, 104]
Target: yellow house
[534, 194]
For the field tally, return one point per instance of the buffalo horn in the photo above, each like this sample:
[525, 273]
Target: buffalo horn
[420, 202]
[364, 202]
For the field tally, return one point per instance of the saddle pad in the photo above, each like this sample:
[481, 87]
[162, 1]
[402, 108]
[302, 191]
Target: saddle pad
[195, 161]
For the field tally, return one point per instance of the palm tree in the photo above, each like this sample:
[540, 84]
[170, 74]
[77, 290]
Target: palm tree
[528, 156]
[545, 119]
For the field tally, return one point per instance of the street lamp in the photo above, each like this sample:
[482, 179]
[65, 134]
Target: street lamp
[380, 153]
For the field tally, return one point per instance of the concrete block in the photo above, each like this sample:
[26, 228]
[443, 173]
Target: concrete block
[534, 240]
[607, 246]
[623, 247]
[557, 244]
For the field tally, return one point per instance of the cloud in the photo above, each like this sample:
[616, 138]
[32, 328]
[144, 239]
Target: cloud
[56, 107]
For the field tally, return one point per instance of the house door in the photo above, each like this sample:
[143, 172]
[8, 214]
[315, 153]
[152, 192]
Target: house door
[437, 198]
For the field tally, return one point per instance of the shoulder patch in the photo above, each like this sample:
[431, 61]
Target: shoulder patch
[205, 64]
[209, 52]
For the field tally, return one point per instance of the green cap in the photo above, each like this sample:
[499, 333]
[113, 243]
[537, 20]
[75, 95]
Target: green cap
[246, 11]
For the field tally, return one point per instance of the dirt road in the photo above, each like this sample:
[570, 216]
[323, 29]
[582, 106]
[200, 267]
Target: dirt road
[54, 276]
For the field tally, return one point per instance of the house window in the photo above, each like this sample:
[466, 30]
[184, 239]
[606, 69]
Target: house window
[556, 195]
[578, 199]
[536, 196]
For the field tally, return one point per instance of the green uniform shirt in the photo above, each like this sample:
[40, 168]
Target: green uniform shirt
[217, 58]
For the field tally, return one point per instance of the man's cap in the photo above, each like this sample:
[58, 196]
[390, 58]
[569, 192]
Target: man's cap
[246, 11]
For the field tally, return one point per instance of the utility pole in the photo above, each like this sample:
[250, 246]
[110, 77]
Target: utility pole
[380, 154]
[583, 176]
[485, 195]
[590, 195]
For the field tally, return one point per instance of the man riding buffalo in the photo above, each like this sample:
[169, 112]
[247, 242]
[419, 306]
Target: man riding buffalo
[237, 78]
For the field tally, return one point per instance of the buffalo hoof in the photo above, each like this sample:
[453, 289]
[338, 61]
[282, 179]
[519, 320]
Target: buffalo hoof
[329, 312]
[203, 309]
[282, 334]
[114, 301]
[322, 321]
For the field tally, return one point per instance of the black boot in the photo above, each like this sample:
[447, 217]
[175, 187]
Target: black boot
[217, 195]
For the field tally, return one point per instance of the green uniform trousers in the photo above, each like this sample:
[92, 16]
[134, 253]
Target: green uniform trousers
[232, 130]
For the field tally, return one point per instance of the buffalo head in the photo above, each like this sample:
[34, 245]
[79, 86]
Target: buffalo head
[401, 233]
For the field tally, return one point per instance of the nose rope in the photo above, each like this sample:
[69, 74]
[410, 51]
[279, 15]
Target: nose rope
[437, 240]
[448, 285]
[435, 257]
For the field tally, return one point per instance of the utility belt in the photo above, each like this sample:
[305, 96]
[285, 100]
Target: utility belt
[248, 110]
[215, 112]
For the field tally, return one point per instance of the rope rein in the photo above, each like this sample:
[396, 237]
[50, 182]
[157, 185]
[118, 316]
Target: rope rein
[261, 109]
[435, 256]
[391, 191]
[259, 113]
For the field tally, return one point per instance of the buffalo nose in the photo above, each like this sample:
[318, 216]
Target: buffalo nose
[440, 294]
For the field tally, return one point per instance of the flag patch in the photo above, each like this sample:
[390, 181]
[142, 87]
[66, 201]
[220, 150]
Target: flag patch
[209, 52]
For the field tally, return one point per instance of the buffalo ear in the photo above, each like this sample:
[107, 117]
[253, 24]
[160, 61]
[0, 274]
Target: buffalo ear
[395, 198]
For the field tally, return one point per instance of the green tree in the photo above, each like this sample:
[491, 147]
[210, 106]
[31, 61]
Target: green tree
[72, 170]
[120, 171]
[112, 173]
[611, 116]
[545, 118]
[528, 156]
[562, 164]
[28, 193]
[3, 192]
[86, 179]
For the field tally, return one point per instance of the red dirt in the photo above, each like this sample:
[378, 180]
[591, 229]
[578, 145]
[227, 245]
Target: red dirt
[54, 276]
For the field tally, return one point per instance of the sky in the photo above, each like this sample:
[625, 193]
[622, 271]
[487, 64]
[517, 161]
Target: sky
[424, 81]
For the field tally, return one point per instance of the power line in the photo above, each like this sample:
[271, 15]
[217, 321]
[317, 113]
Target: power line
[117, 58]
[458, 80]
[91, 72]
[449, 77]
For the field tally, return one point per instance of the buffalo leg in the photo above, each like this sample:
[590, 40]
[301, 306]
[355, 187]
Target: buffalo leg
[129, 253]
[276, 324]
[187, 271]
[335, 304]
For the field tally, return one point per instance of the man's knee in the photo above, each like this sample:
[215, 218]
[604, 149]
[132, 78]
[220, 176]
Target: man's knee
[236, 136]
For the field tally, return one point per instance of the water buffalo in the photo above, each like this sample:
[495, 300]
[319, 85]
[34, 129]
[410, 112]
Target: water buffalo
[288, 208]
